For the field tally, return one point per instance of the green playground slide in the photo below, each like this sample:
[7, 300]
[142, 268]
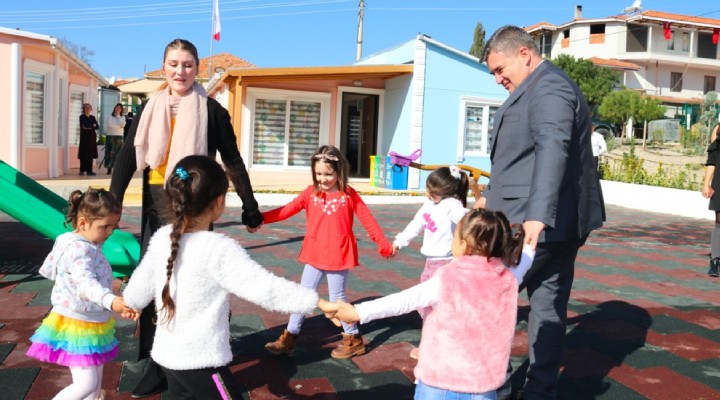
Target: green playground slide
[38, 207]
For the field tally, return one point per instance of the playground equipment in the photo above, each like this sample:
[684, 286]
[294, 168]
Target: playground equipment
[44, 211]
[475, 173]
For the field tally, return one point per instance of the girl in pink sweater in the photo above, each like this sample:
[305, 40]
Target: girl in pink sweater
[467, 337]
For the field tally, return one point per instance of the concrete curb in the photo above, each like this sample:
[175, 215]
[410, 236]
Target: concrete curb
[686, 203]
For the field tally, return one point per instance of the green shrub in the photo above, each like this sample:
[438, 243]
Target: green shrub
[692, 140]
[630, 170]
[657, 136]
[611, 143]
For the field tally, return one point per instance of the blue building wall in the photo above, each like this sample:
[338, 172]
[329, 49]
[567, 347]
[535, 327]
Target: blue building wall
[449, 77]
[397, 114]
[401, 54]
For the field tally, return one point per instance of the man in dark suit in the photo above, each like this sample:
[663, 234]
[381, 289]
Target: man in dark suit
[543, 176]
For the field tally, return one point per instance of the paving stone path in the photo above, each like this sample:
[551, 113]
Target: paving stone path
[643, 319]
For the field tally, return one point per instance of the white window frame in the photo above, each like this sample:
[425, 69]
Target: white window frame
[48, 100]
[75, 88]
[380, 117]
[485, 104]
[248, 133]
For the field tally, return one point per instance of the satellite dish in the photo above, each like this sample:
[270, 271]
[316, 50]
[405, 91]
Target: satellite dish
[635, 7]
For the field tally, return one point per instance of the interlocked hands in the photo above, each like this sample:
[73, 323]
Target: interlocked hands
[339, 311]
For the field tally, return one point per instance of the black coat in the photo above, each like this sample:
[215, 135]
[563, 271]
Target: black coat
[221, 138]
[87, 148]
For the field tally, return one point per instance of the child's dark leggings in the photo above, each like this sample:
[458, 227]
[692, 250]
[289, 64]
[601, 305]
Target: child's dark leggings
[202, 384]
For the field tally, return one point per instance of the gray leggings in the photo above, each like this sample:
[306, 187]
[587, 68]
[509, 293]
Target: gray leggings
[337, 281]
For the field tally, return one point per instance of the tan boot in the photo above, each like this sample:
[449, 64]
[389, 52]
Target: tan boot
[351, 346]
[284, 345]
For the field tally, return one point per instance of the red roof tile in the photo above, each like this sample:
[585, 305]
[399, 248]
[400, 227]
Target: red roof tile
[681, 18]
[224, 60]
[120, 82]
[614, 63]
[539, 25]
[645, 16]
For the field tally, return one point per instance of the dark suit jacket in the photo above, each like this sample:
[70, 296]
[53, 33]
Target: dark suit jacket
[542, 162]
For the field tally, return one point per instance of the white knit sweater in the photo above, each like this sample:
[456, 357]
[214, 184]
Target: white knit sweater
[209, 267]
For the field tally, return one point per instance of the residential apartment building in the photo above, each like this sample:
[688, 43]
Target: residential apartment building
[667, 56]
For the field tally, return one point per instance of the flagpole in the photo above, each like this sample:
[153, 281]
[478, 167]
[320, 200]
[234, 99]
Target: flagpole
[214, 33]
[211, 57]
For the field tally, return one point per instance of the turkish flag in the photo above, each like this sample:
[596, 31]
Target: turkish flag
[666, 30]
[216, 20]
[716, 33]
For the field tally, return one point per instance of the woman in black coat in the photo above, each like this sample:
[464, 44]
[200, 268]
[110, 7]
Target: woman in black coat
[159, 139]
[87, 148]
[711, 190]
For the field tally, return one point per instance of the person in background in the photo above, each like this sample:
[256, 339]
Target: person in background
[329, 248]
[446, 191]
[87, 148]
[598, 145]
[177, 121]
[79, 332]
[467, 338]
[544, 177]
[710, 190]
[129, 117]
[190, 272]
[114, 136]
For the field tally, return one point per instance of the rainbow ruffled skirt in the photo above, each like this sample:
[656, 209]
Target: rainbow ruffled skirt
[74, 343]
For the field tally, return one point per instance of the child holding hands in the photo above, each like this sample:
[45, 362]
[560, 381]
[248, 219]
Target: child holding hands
[79, 332]
[190, 271]
[329, 248]
[468, 335]
[447, 189]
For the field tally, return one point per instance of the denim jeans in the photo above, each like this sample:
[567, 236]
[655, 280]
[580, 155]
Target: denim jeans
[424, 392]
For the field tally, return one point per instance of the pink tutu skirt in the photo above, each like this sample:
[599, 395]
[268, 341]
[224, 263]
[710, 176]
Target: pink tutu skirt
[431, 267]
[74, 343]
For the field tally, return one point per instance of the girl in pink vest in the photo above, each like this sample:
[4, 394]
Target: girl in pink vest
[466, 339]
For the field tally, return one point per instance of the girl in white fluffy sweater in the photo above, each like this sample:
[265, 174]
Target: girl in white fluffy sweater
[191, 271]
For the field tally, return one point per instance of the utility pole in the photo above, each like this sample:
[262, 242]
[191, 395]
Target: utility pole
[361, 14]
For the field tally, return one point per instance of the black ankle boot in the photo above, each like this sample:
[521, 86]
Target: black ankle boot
[714, 267]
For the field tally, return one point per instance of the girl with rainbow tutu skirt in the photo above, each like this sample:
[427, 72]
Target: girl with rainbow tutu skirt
[79, 332]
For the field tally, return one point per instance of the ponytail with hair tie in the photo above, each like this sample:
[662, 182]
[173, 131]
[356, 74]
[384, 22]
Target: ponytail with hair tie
[454, 171]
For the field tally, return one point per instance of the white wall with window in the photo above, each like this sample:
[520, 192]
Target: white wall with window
[78, 94]
[476, 124]
[37, 103]
[283, 128]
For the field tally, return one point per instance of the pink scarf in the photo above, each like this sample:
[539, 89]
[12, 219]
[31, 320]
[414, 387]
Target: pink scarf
[189, 136]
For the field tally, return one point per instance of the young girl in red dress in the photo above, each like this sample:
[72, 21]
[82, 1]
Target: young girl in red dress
[329, 248]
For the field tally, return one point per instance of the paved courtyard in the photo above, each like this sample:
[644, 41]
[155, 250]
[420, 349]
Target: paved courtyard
[643, 319]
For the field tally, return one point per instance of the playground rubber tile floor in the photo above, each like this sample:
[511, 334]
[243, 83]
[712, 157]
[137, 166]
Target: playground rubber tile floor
[643, 319]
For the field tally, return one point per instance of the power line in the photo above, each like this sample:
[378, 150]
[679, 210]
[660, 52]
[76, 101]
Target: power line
[148, 11]
[45, 28]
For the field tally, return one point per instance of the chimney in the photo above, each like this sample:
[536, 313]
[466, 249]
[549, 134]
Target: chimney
[578, 11]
